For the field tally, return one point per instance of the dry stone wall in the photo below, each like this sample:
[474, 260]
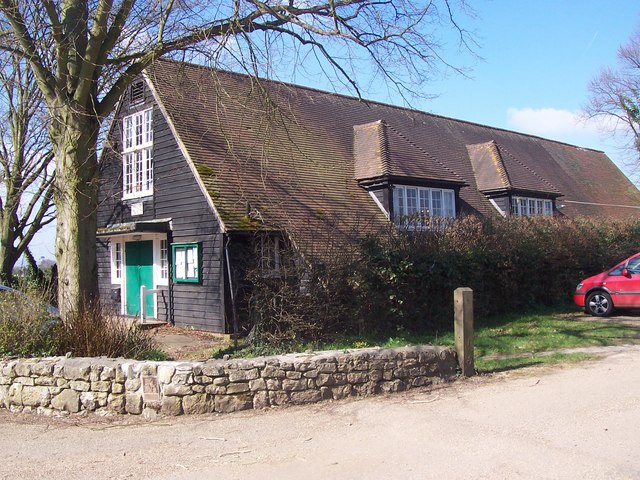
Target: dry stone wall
[62, 386]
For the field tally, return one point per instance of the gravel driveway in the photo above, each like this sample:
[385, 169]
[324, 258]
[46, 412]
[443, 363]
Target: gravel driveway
[580, 421]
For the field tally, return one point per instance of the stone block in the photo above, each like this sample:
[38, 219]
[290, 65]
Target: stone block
[197, 404]
[341, 391]
[88, 401]
[117, 388]
[36, 396]
[393, 386]
[232, 403]
[101, 386]
[290, 385]
[5, 380]
[294, 375]
[132, 384]
[44, 381]
[133, 403]
[212, 369]
[96, 370]
[108, 373]
[43, 368]
[9, 369]
[80, 385]
[67, 400]
[176, 390]
[199, 388]
[75, 369]
[243, 375]
[308, 396]
[23, 369]
[216, 390]
[221, 381]
[240, 387]
[171, 406]
[278, 398]
[421, 382]
[273, 383]
[258, 384]
[116, 403]
[271, 371]
[165, 373]
[260, 400]
[327, 367]
[357, 377]
[148, 370]
[4, 396]
[375, 375]
[302, 366]
[310, 374]
[25, 381]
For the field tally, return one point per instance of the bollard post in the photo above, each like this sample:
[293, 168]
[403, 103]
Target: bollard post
[463, 329]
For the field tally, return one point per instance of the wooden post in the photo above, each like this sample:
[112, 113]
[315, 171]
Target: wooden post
[463, 328]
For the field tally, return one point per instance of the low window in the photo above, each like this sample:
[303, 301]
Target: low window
[531, 207]
[186, 262]
[116, 262]
[164, 260]
[420, 203]
[269, 255]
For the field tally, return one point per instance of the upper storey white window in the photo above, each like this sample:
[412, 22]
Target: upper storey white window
[531, 207]
[137, 155]
[413, 204]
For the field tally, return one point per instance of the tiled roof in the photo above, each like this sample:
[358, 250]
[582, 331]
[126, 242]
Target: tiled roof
[496, 169]
[281, 156]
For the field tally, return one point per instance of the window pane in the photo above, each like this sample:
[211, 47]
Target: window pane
[425, 208]
[436, 203]
[398, 201]
[148, 127]
[191, 262]
[548, 207]
[449, 204]
[180, 263]
[412, 201]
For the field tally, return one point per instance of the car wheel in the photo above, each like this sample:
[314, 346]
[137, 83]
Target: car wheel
[599, 304]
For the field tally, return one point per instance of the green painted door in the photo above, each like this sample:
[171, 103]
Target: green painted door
[139, 271]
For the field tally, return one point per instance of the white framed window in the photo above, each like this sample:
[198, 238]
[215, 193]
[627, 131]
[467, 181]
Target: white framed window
[137, 155]
[116, 262]
[423, 202]
[531, 207]
[164, 260]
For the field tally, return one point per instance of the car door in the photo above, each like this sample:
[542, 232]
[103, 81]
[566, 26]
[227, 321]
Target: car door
[625, 289]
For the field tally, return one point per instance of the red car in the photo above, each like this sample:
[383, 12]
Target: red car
[618, 287]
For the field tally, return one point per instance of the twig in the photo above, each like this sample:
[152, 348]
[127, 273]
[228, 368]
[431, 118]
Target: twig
[426, 401]
[234, 453]
[214, 438]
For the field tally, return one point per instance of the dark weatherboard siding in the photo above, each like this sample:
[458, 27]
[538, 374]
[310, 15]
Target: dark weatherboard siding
[177, 196]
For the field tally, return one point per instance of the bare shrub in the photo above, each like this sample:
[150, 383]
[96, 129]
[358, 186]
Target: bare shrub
[94, 332]
[26, 327]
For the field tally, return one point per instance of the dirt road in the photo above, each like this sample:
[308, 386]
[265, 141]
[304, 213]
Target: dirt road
[575, 422]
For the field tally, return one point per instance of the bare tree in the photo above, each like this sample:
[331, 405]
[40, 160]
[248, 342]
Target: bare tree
[615, 95]
[100, 46]
[25, 162]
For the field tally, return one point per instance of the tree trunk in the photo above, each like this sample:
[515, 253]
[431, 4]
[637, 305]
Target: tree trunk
[8, 254]
[74, 138]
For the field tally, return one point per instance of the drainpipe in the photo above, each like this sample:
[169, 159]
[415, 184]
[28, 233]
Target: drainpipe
[234, 317]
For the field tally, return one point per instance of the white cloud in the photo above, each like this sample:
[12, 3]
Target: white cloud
[551, 122]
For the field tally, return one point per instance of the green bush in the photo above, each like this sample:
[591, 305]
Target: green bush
[403, 281]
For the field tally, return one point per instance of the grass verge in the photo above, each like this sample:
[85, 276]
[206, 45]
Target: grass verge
[501, 343]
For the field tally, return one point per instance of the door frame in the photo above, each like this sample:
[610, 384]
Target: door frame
[157, 280]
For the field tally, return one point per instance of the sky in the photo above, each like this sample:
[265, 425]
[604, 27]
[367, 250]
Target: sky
[537, 58]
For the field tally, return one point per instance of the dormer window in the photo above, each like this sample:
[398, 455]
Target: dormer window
[421, 203]
[531, 207]
[137, 156]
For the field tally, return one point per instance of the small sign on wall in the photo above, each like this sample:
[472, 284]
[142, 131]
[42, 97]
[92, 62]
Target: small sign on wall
[137, 209]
